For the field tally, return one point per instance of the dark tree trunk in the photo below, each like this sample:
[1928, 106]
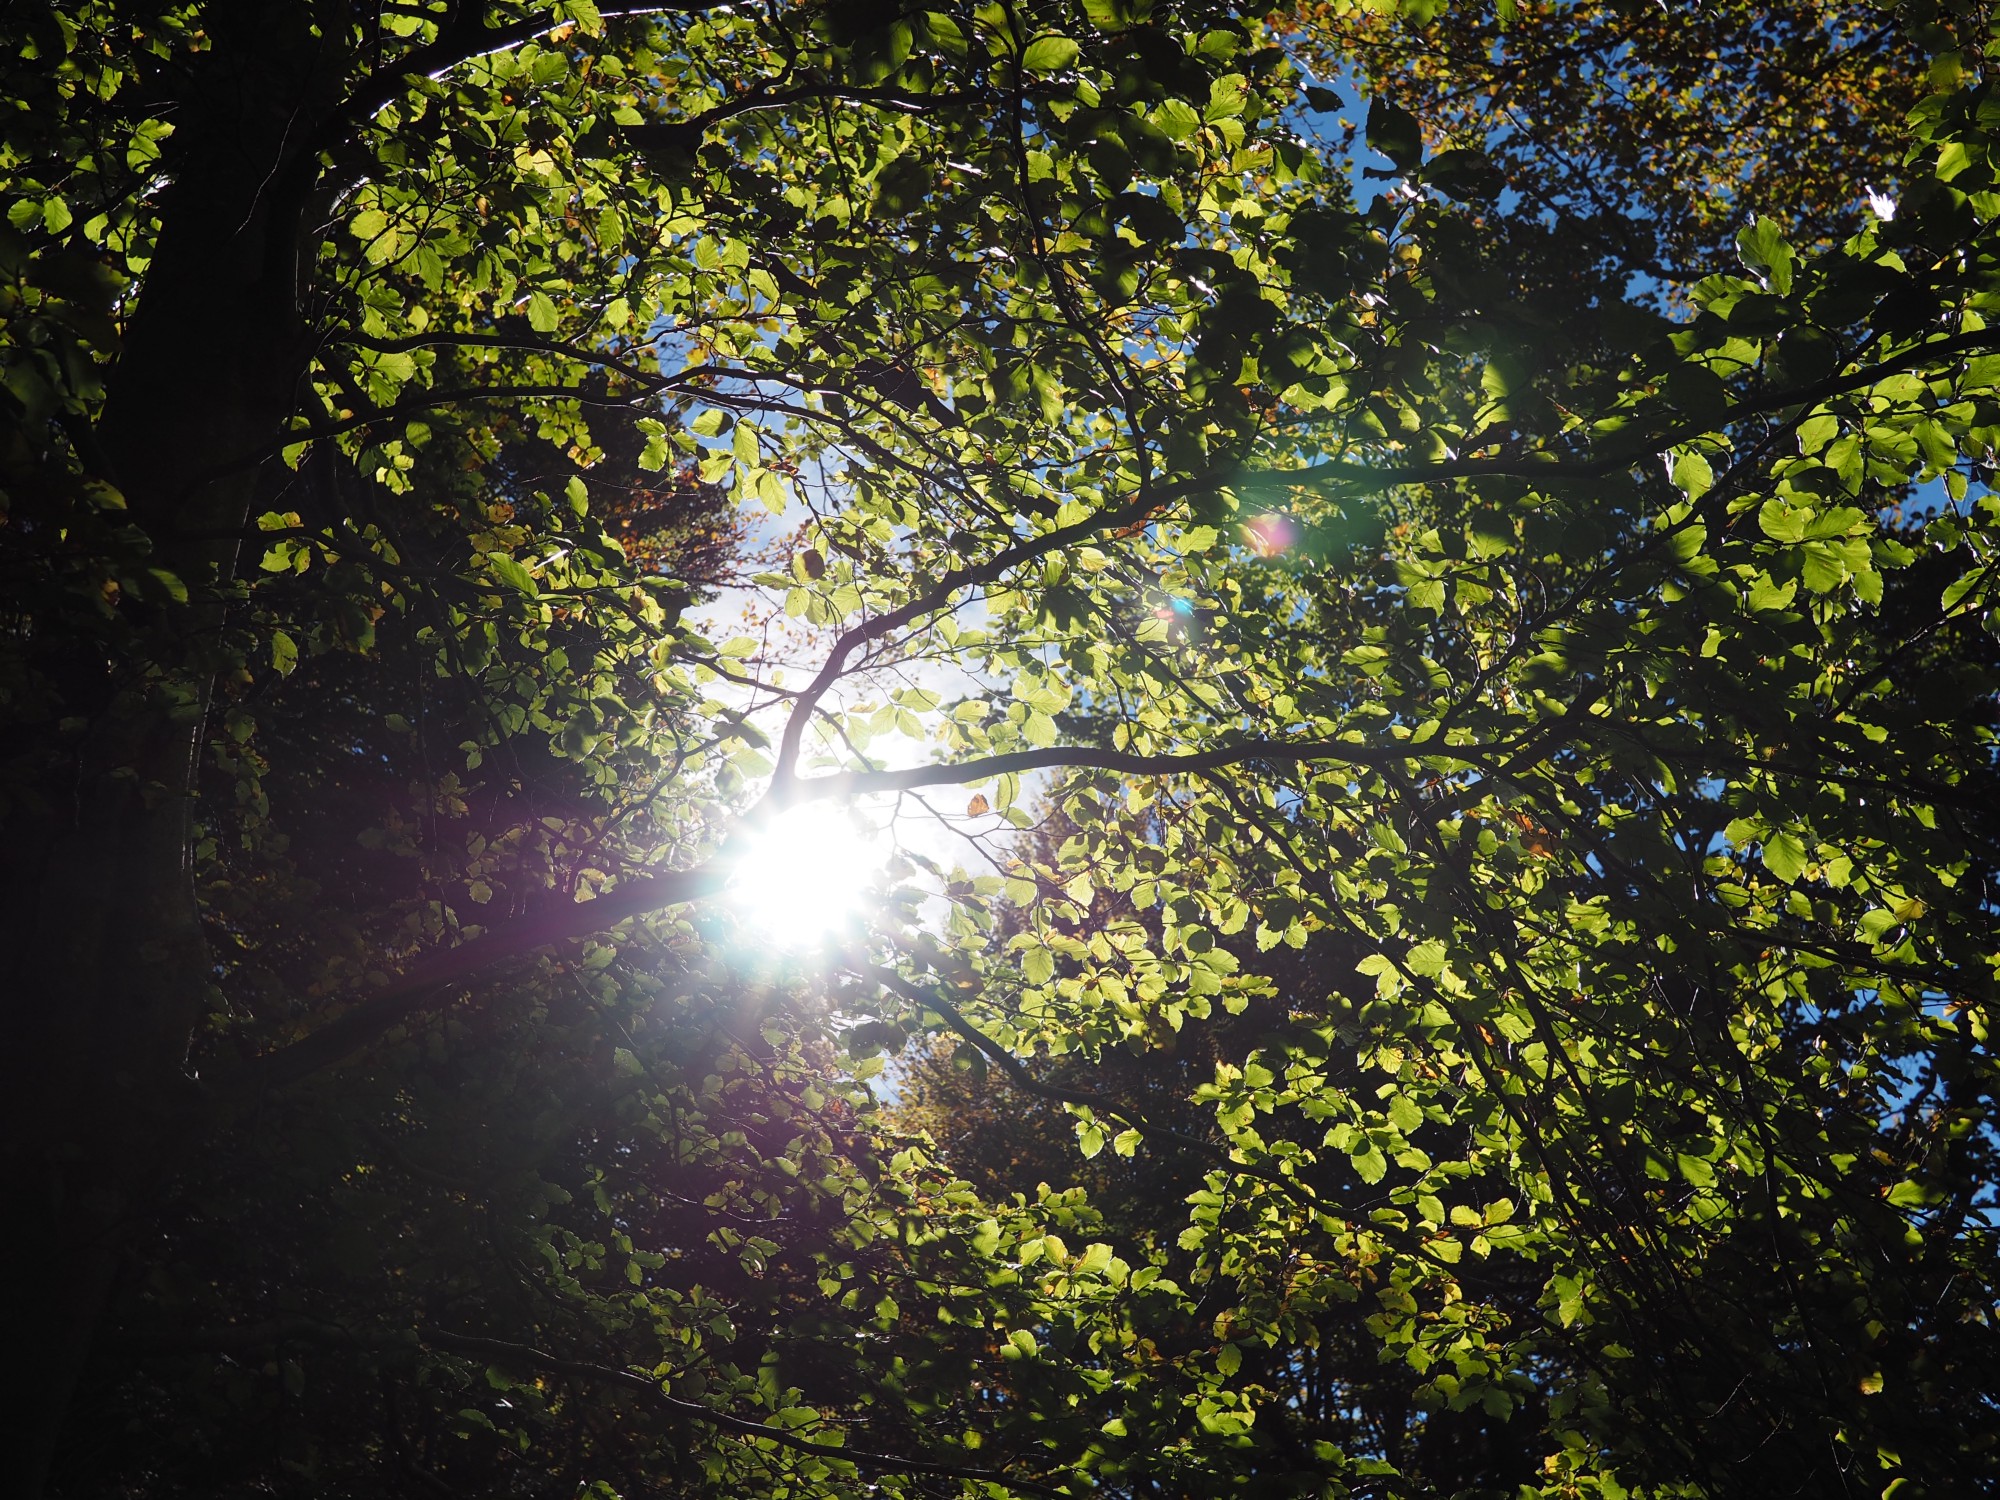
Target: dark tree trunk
[105, 970]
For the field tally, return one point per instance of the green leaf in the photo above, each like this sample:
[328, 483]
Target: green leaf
[1783, 522]
[1913, 1194]
[1785, 856]
[1767, 592]
[1764, 248]
[1226, 97]
[1049, 54]
[1426, 958]
[1695, 1170]
[1692, 474]
[511, 573]
[1569, 1299]
[1404, 1114]
[1178, 119]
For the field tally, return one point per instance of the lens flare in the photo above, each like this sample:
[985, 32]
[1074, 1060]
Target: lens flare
[804, 875]
[1269, 536]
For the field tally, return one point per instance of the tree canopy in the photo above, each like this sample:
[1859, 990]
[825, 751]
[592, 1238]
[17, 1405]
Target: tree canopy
[1460, 648]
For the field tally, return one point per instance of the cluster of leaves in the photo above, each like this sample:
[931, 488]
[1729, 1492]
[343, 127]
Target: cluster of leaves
[1678, 927]
[1520, 913]
[1645, 132]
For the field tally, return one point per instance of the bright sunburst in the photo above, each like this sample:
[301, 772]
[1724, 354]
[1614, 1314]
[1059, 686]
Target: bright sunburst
[805, 874]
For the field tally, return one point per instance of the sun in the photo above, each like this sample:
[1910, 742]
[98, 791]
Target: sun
[804, 875]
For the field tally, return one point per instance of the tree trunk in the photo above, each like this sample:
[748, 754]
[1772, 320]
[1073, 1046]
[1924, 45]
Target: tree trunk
[105, 970]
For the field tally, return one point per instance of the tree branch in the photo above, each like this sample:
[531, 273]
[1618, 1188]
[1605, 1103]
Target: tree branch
[526, 342]
[1018, 1075]
[464, 38]
[1554, 466]
[278, 1331]
[1086, 757]
[432, 400]
[431, 980]
[500, 1350]
[939, 597]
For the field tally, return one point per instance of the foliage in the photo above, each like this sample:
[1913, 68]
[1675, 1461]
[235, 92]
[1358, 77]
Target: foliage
[1647, 132]
[1516, 939]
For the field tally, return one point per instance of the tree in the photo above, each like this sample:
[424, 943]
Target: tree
[1562, 777]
